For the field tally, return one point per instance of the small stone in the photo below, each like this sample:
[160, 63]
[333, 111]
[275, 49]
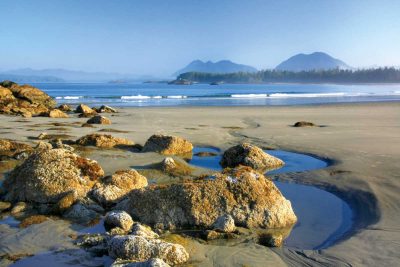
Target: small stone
[144, 231]
[155, 262]
[106, 109]
[19, 207]
[4, 206]
[119, 219]
[271, 240]
[304, 124]
[103, 141]
[225, 224]
[42, 136]
[212, 235]
[66, 202]
[99, 120]
[43, 146]
[65, 108]
[34, 219]
[80, 213]
[84, 109]
[56, 113]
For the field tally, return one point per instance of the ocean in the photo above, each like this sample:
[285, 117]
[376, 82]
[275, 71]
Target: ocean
[158, 94]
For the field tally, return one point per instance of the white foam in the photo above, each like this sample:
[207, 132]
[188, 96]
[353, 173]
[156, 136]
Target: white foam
[282, 95]
[69, 97]
[135, 97]
[157, 97]
[249, 95]
[176, 96]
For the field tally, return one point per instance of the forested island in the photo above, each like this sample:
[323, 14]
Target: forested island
[378, 75]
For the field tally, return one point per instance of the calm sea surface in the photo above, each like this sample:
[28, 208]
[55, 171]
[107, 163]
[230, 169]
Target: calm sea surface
[152, 94]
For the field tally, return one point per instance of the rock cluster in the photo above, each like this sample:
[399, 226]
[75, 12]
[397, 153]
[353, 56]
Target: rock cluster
[48, 175]
[103, 141]
[246, 195]
[112, 189]
[12, 149]
[24, 100]
[249, 155]
[167, 145]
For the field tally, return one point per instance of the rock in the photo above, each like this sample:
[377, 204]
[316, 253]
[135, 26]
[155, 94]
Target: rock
[106, 109]
[167, 145]
[251, 156]
[58, 143]
[155, 262]
[99, 120]
[112, 189]
[225, 224]
[48, 175]
[65, 108]
[139, 249]
[251, 199]
[213, 235]
[19, 207]
[42, 136]
[119, 219]
[34, 219]
[56, 113]
[176, 167]
[23, 100]
[304, 124]
[271, 240]
[4, 206]
[103, 141]
[78, 212]
[143, 231]
[43, 146]
[84, 109]
[65, 203]
[11, 149]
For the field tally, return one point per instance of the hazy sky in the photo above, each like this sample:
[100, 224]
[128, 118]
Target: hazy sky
[159, 37]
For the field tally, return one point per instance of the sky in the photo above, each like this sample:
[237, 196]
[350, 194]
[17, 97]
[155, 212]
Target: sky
[158, 37]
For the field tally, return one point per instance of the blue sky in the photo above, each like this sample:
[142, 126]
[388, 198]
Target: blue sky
[159, 37]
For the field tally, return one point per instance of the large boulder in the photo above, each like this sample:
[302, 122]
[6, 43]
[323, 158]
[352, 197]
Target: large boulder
[103, 141]
[113, 188]
[247, 196]
[138, 248]
[167, 145]
[99, 120]
[12, 149]
[24, 100]
[251, 156]
[48, 175]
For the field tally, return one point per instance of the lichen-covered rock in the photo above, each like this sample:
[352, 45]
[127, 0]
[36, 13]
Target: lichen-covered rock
[225, 223]
[103, 141]
[48, 175]
[80, 213]
[251, 199]
[56, 113]
[65, 108]
[251, 156]
[82, 108]
[143, 231]
[112, 189]
[140, 249]
[43, 146]
[119, 219]
[99, 120]
[11, 149]
[167, 145]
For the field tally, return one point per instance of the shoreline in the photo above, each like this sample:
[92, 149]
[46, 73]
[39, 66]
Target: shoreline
[360, 139]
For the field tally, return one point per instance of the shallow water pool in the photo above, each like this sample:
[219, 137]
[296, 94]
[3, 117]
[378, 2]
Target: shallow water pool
[323, 218]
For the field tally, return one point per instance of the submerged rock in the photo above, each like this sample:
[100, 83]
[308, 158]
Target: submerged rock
[138, 248]
[303, 124]
[251, 156]
[167, 145]
[251, 199]
[112, 189]
[34, 219]
[119, 219]
[103, 141]
[48, 175]
[99, 120]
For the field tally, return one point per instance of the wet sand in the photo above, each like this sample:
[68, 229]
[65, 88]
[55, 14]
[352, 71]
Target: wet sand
[361, 140]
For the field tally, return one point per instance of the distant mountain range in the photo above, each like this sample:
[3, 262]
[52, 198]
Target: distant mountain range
[314, 61]
[223, 66]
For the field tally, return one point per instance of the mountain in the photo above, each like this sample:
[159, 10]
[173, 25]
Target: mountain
[68, 75]
[223, 66]
[314, 61]
[30, 79]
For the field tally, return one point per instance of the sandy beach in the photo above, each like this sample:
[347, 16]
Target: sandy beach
[362, 141]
